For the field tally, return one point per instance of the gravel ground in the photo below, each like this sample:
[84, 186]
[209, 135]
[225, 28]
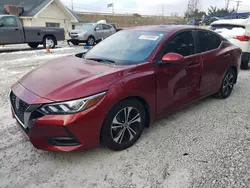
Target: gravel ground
[204, 145]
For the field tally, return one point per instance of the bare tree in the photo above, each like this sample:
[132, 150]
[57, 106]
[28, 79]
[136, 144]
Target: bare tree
[193, 6]
[193, 9]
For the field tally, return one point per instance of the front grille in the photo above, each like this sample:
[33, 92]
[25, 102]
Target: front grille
[18, 106]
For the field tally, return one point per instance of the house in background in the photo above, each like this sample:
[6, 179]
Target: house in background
[43, 13]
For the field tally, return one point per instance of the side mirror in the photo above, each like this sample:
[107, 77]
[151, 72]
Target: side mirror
[172, 58]
[97, 29]
[1, 25]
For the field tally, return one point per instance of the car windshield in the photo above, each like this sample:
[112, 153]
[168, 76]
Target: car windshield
[87, 26]
[126, 47]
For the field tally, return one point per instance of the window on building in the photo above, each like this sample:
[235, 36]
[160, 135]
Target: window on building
[73, 27]
[52, 24]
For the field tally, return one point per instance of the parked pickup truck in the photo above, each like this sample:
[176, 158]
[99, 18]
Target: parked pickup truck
[12, 32]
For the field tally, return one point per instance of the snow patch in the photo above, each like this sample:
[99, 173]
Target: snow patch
[44, 57]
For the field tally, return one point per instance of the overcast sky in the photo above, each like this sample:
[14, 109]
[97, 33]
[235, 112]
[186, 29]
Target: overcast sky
[149, 6]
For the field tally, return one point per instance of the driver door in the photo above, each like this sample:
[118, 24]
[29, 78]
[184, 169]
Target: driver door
[178, 83]
[10, 33]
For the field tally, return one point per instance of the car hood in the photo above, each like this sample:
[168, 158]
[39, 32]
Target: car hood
[71, 77]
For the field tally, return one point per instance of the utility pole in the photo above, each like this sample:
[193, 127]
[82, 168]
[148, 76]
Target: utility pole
[72, 5]
[227, 4]
[237, 6]
[113, 8]
[162, 10]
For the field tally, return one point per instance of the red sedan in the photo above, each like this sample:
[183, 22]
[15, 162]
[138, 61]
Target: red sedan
[111, 93]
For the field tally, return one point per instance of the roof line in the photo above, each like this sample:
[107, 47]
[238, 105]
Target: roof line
[68, 11]
[43, 9]
[60, 4]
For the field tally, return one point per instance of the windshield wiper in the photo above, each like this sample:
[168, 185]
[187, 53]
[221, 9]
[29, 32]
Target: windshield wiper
[102, 60]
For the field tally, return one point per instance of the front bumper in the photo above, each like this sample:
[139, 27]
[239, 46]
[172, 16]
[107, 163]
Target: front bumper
[77, 37]
[72, 132]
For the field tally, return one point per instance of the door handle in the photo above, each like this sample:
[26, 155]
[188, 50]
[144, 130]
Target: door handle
[16, 29]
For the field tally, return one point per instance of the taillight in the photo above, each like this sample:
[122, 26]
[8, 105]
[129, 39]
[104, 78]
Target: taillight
[243, 38]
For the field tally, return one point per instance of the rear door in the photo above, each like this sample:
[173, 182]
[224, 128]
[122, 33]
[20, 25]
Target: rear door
[178, 84]
[10, 33]
[108, 29]
[214, 60]
[99, 32]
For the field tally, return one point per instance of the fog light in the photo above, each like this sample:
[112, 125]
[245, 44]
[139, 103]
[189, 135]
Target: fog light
[63, 141]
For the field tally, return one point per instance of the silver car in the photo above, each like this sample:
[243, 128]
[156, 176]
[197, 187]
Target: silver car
[90, 33]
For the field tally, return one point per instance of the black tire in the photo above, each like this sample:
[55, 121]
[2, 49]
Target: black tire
[227, 84]
[76, 43]
[245, 64]
[33, 45]
[91, 41]
[50, 39]
[111, 134]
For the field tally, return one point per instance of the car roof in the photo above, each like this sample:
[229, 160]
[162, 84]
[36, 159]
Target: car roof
[164, 28]
[239, 22]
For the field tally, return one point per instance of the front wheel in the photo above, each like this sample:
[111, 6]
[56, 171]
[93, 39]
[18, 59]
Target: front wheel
[91, 41]
[76, 43]
[124, 125]
[227, 85]
[51, 42]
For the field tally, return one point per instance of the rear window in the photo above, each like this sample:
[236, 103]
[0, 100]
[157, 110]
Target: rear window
[226, 26]
[208, 41]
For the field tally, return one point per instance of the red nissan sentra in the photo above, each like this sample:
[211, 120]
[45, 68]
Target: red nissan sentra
[108, 95]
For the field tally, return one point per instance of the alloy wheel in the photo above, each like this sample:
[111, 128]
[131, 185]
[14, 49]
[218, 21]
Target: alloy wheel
[228, 84]
[91, 41]
[126, 125]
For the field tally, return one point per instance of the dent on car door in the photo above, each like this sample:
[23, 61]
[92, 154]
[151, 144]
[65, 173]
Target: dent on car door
[178, 83]
[213, 61]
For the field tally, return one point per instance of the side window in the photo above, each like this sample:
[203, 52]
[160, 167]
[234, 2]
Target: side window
[99, 27]
[8, 22]
[182, 43]
[106, 27]
[208, 41]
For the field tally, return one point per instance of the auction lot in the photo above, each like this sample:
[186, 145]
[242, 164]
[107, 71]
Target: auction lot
[206, 144]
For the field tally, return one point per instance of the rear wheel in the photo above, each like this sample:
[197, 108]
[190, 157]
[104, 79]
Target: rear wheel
[123, 125]
[245, 64]
[51, 42]
[227, 84]
[33, 45]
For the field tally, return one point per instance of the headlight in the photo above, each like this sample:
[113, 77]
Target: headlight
[74, 106]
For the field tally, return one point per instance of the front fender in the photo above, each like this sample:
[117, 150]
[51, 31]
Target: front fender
[138, 84]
